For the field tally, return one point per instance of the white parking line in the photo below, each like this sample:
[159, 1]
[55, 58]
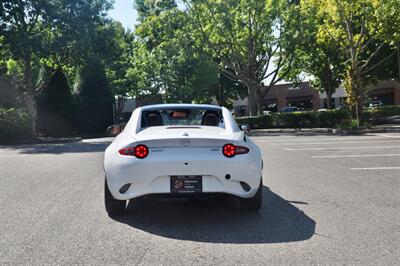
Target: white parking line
[388, 136]
[356, 155]
[377, 168]
[334, 142]
[342, 148]
[303, 140]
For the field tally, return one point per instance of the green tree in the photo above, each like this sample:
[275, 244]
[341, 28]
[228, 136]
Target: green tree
[256, 39]
[33, 30]
[360, 28]
[55, 107]
[227, 90]
[147, 8]
[95, 98]
[166, 61]
[319, 55]
[114, 45]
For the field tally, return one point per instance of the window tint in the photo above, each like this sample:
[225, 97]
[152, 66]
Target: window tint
[181, 117]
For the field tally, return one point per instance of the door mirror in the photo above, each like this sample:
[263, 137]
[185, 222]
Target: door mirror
[113, 130]
[245, 128]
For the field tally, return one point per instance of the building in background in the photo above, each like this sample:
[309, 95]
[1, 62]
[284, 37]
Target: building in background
[307, 98]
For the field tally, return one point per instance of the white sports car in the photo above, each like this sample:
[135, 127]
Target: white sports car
[182, 150]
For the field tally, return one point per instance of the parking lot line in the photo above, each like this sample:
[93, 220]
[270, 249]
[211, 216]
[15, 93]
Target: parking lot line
[305, 139]
[377, 168]
[333, 142]
[341, 148]
[356, 155]
[389, 136]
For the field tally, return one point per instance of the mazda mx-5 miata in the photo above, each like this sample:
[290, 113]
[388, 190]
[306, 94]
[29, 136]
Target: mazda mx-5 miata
[182, 150]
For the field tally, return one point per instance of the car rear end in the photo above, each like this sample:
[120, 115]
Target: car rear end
[188, 160]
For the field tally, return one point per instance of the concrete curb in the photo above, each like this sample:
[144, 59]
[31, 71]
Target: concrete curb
[326, 131]
[42, 141]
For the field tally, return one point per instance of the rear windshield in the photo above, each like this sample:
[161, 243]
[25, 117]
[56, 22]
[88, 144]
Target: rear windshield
[181, 117]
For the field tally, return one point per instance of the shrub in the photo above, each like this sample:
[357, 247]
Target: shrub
[295, 120]
[55, 110]
[256, 122]
[15, 124]
[379, 115]
[330, 118]
[95, 98]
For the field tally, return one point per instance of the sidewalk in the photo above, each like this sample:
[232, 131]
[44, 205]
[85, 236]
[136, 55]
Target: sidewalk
[327, 131]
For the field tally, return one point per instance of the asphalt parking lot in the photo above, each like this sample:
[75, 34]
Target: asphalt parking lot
[327, 200]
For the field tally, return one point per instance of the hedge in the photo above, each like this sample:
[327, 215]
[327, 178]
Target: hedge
[15, 124]
[330, 118]
[379, 115]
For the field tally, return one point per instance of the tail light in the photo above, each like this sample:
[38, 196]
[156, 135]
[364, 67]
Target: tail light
[230, 150]
[140, 151]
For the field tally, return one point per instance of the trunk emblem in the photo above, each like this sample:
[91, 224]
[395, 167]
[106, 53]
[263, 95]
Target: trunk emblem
[185, 142]
[185, 134]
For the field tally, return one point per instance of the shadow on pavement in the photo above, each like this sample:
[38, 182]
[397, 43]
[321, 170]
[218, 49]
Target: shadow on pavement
[217, 221]
[60, 148]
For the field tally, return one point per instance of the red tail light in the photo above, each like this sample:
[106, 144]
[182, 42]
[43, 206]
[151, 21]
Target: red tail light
[140, 151]
[230, 150]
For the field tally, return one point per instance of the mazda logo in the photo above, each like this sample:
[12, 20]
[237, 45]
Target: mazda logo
[185, 142]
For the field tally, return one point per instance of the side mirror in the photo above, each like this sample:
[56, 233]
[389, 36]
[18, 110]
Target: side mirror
[245, 128]
[113, 130]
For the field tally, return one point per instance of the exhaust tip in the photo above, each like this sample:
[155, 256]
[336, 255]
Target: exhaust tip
[245, 186]
[124, 188]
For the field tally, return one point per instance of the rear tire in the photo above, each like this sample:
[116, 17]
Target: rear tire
[113, 206]
[254, 203]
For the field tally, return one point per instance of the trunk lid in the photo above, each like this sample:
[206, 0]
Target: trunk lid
[186, 136]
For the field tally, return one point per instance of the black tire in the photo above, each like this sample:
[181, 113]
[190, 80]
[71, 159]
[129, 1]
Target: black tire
[113, 206]
[252, 204]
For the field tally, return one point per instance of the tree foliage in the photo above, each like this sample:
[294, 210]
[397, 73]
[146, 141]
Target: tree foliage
[95, 98]
[56, 113]
[256, 39]
[166, 60]
[46, 30]
[361, 29]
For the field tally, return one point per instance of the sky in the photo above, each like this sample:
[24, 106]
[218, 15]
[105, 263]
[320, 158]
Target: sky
[124, 12]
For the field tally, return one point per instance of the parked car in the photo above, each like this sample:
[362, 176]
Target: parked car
[290, 109]
[182, 150]
[375, 103]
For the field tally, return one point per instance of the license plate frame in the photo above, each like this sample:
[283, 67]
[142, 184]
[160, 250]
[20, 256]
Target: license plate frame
[186, 184]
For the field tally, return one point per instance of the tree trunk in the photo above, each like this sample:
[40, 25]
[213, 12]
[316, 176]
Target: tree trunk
[30, 99]
[398, 60]
[260, 101]
[251, 101]
[329, 99]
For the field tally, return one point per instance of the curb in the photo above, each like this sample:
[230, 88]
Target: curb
[42, 141]
[327, 131]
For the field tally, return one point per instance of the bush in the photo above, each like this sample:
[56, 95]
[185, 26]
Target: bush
[256, 122]
[379, 115]
[295, 120]
[95, 98]
[15, 124]
[55, 110]
[330, 118]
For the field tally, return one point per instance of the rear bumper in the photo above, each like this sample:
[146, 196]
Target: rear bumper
[153, 176]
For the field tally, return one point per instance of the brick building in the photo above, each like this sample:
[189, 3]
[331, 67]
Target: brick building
[307, 98]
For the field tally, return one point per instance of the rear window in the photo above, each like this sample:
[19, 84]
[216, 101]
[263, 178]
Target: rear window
[181, 117]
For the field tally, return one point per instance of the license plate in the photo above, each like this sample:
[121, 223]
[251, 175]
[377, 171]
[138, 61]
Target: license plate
[186, 184]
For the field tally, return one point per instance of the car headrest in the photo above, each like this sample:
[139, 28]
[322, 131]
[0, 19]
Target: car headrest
[210, 119]
[154, 120]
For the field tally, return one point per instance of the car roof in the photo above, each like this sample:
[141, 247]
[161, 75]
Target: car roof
[180, 106]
